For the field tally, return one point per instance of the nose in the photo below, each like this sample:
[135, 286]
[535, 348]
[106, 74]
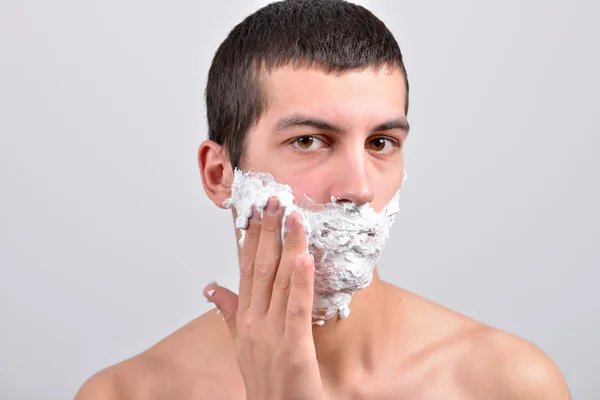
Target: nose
[351, 181]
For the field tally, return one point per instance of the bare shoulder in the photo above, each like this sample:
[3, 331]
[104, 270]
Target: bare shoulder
[129, 379]
[192, 362]
[101, 386]
[487, 362]
[502, 365]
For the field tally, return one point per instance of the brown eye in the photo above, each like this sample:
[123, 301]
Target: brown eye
[305, 141]
[307, 144]
[377, 144]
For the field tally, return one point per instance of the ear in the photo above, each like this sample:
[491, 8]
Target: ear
[216, 171]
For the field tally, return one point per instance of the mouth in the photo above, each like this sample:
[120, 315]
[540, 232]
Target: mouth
[368, 233]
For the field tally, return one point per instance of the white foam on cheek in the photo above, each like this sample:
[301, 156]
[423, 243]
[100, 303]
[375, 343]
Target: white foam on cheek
[345, 239]
[254, 190]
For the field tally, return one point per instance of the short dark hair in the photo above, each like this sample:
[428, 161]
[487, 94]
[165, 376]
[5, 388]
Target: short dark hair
[332, 35]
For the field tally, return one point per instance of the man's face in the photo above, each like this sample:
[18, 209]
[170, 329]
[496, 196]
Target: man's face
[328, 135]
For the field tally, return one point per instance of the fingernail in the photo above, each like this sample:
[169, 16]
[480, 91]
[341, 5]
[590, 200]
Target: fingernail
[255, 215]
[290, 222]
[210, 293]
[272, 206]
[218, 311]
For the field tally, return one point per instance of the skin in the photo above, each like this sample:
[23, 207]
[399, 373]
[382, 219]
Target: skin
[394, 345]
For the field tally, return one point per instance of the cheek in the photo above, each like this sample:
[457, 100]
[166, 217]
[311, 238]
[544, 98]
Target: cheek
[308, 185]
[385, 189]
[255, 159]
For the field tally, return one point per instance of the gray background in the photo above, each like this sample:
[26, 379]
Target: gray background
[107, 237]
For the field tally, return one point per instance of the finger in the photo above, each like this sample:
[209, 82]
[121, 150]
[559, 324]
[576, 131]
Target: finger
[247, 256]
[298, 322]
[226, 301]
[294, 244]
[267, 258]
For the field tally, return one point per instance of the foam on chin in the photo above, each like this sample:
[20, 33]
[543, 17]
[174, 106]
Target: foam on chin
[344, 239]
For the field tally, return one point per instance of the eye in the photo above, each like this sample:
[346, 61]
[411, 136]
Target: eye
[307, 143]
[382, 145]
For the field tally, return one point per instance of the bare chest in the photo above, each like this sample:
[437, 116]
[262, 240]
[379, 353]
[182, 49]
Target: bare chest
[433, 384]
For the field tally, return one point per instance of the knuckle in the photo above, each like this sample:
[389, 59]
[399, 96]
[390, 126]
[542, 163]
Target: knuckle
[298, 283]
[247, 329]
[282, 284]
[249, 326]
[296, 310]
[293, 358]
[262, 269]
[293, 247]
[286, 353]
[252, 233]
[246, 266]
[270, 228]
[295, 361]
[293, 242]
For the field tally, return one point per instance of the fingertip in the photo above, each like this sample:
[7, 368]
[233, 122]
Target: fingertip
[209, 290]
[290, 221]
[298, 218]
[272, 206]
[209, 296]
[293, 222]
[255, 216]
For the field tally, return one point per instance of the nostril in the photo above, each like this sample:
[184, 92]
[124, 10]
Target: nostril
[339, 200]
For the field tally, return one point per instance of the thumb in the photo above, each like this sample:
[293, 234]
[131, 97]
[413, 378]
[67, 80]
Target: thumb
[226, 301]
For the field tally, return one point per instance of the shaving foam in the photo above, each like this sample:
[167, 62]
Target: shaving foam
[345, 239]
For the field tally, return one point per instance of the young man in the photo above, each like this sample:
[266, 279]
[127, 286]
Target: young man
[315, 93]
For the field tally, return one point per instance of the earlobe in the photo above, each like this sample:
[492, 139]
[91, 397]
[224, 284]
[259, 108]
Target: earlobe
[216, 171]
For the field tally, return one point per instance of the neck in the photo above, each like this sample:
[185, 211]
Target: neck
[357, 342]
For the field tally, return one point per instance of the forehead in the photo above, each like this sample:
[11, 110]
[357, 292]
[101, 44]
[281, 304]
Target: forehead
[370, 93]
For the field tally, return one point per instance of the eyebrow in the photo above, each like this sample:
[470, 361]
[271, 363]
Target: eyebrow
[300, 120]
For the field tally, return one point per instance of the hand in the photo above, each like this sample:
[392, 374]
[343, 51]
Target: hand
[271, 321]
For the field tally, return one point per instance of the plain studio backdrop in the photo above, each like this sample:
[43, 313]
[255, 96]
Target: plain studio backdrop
[107, 237]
